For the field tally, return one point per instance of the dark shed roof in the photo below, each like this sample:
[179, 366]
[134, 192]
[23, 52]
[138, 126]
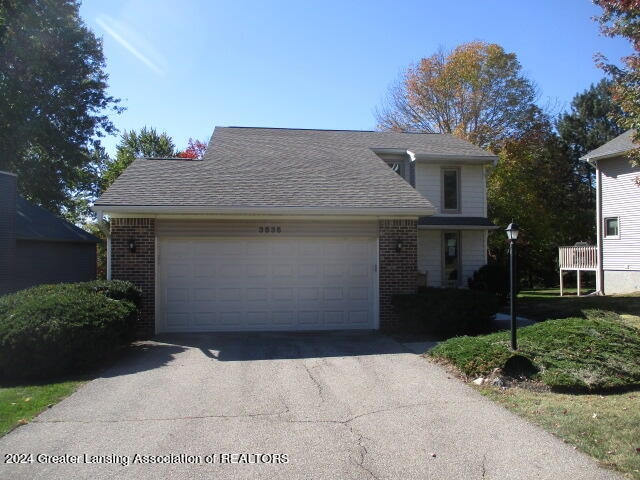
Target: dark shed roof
[36, 223]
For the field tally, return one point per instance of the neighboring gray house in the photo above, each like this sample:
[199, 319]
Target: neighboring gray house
[37, 247]
[291, 229]
[617, 216]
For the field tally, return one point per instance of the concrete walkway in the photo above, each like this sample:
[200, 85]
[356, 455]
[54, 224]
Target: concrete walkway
[334, 406]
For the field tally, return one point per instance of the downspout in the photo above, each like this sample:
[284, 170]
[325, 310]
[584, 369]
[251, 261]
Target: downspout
[599, 271]
[107, 233]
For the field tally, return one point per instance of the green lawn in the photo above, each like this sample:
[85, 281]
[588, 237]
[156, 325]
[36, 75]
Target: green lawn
[19, 404]
[604, 426]
[584, 362]
[548, 304]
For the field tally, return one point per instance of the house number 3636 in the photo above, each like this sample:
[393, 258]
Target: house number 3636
[269, 229]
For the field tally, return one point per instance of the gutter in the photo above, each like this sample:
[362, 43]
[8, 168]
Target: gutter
[107, 233]
[288, 211]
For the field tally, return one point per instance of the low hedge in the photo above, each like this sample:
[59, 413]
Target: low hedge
[446, 311]
[53, 330]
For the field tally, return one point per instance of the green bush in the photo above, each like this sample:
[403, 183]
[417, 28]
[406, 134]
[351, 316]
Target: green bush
[493, 278]
[66, 328]
[446, 311]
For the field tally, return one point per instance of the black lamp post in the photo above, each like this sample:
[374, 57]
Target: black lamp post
[512, 235]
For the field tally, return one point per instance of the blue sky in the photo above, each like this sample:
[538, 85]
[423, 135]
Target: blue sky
[186, 66]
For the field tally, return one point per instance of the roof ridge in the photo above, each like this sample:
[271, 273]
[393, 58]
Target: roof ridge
[329, 130]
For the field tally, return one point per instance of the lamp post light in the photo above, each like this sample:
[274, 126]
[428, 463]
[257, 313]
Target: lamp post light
[512, 234]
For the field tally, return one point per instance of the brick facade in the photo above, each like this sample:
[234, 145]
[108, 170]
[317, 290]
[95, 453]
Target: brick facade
[138, 267]
[398, 270]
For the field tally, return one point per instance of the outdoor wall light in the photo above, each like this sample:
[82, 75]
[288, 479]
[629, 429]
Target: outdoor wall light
[399, 246]
[131, 243]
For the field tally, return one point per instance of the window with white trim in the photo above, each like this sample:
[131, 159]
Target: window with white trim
[450, 190]
[611, 227]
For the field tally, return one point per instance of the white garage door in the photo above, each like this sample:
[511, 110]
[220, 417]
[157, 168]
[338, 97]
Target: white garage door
[241, 284]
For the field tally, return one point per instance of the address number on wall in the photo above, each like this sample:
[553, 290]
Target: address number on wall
[269, 229]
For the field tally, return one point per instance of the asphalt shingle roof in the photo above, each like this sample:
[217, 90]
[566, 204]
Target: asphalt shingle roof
[619, 145]
[270, 167]
[36, 223]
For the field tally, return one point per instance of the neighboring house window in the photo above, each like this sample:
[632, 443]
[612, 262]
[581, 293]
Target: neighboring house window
[451, 190]
[611, 228]
[451, 259]
[397, 167]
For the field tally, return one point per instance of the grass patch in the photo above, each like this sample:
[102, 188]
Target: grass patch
[19, 404]
[599, 352]
[548, 304]
[605, 427]
[585, 344]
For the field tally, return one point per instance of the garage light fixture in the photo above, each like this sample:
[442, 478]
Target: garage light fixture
[131, 243]
[399, 246]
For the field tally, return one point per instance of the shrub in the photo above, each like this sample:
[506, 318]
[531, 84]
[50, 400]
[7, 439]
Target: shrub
[446, 311]
[493, 278]
[65, 328]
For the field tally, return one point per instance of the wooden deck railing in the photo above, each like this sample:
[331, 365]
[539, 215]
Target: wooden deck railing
[578, 258]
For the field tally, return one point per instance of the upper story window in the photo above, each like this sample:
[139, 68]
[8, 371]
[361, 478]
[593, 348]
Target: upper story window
[451, 190]
[611, 228]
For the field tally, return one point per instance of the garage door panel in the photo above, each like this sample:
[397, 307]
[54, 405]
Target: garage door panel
[257, 271]
[284, 318]
[230, 318]
[333, 318]
[178, 319]
[205, 318]
[264, 283]
[229, 294]
[204, 294]
[283, 271]
[260, 318]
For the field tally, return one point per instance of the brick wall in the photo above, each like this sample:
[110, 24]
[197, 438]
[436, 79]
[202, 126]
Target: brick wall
[398, 270]
[138, 267]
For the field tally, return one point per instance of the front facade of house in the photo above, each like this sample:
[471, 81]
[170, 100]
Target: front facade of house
[281, 229]
[618, 216]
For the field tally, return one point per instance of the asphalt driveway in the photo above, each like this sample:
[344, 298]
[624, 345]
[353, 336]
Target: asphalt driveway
[338, 405]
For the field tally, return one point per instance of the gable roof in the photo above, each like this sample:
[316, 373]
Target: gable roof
[288, 171]
[36, 223]
[621, 144]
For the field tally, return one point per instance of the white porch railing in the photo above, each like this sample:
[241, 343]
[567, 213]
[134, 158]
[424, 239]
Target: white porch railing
[579, 258]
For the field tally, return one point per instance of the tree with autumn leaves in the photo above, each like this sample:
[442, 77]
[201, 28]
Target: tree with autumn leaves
[147, 143]
[478, 92]
[622, 18]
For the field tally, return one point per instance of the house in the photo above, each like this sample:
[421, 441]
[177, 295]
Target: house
[38, 247]
[291, 229]
[617, 216]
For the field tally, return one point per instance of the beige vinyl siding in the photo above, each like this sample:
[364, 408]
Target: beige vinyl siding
[430, 256]
[621, 199]
[472, 248]
[474, 253]
[428, 179]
